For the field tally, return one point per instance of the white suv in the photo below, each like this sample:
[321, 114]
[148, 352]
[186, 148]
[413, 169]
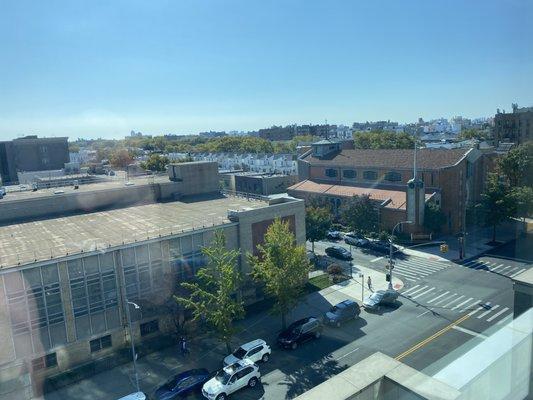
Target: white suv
[230, 379]
[256, 350]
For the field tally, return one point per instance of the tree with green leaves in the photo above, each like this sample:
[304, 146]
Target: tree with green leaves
[517, 165]
[156, 163]
[434, 218]
[497, 203]
[317, 223]
[478, 134]
[360, 214]
[213, 294]
[282, 266]
[383, 140]
[120, 158]
[523, 200]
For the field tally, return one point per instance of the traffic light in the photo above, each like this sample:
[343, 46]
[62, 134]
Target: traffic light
[444, 248]
[387, 277]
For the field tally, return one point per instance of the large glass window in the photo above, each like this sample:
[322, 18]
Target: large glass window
[393, 176]
[331, 172]
[349, 174]
[93, 289]
[35, 309]
[370, 175]
[190, 259]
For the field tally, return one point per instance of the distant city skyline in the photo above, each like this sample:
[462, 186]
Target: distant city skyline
[104, 69]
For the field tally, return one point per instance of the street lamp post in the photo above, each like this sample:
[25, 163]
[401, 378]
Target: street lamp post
[128, 303]
[390, 249]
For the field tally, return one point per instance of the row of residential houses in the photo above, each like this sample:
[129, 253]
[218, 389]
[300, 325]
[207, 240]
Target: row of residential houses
[263, 163]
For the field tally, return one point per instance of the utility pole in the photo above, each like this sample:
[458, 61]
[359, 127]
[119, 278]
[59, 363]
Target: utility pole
[128, 303]
[390, 250]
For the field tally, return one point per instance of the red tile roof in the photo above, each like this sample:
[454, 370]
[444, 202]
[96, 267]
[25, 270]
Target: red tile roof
[395, 198]
[391, 158]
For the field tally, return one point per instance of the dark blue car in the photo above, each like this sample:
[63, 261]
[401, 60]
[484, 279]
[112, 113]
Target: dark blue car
[182, 385]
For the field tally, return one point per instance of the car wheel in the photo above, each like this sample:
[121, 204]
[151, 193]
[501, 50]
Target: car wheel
[252, 382]
[294, 345]
[317, 334]
[265, 357]
[338, 324]
[221, 396]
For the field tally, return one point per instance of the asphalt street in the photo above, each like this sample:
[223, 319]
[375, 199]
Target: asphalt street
[444, 309]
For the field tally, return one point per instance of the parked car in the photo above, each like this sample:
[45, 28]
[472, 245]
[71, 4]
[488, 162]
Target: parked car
[356, 239]
[380, 298]
[333, 235]
[382, 246]
[182, 384]
[256, 350]
[230, 379]
[339, 252]
[299, 332]
[134, 396]
[342, 312]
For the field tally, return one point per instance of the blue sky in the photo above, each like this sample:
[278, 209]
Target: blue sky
[102, 68]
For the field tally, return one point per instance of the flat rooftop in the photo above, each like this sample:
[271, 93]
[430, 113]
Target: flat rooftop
[112, 183]
[53, 238]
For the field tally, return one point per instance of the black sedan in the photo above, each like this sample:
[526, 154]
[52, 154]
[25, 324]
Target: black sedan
[182, 384]
[339, 252]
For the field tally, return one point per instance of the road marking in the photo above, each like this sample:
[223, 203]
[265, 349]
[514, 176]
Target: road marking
[438, 297]
[518, 273]
[475, 311]
[453, 301]
[418, 290]
[504, 269]
[401, 272]
[432, 337]
[498, 267]
[412, 270]
[423, 293]
[418, 266]
[469, 332]
[411, 289]
[488, 311]
[424, 313]
[470, 263]
[347, 354]
[470, 305]
[480, 266]
[497, 314]
[463, 303]
[377, 259]
[444, 299]
[505, 319]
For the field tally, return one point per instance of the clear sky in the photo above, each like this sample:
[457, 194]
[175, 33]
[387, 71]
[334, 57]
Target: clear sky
[102, 68]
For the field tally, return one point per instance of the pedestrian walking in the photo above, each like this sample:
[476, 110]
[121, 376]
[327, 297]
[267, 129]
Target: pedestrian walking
[183, 346]
[369, 283]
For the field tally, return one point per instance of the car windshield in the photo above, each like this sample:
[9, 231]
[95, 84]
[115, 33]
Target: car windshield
[222, 376]
[376, 296]
[239, 353]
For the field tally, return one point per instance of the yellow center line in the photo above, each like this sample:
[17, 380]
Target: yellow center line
[432, 337]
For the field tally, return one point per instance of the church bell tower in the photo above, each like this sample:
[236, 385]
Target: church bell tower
[416, 197]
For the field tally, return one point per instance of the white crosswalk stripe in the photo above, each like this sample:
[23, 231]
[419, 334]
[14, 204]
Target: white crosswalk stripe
[423, 293]
[497, 314]
[495, 307]
[440, 300]
[438, 297]
[462, 304]
[496, 267]
[418, 268]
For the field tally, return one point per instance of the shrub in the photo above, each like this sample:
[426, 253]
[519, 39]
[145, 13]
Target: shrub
[335, 269]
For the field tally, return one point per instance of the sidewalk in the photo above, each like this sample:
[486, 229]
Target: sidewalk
[159, 366]
[476, 243]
